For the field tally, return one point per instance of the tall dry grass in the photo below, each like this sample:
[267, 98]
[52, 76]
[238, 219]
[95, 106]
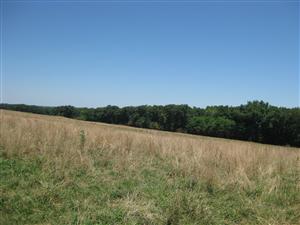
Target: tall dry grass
[71, 143]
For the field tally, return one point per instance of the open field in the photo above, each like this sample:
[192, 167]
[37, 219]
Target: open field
[55, 170]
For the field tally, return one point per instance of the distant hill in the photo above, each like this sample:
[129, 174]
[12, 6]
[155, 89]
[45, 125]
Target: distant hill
[255, 121]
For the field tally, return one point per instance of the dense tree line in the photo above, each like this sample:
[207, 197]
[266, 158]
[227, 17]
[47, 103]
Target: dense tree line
[256, 121]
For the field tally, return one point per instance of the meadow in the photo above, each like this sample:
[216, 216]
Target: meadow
[55, 170]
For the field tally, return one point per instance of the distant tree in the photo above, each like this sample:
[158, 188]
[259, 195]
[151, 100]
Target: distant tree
[213, 126]
[66, 111]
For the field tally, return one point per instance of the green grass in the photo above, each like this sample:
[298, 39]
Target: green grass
[33, 191]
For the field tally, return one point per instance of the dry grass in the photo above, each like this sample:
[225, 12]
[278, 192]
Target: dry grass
[223, 161]
[67, 144]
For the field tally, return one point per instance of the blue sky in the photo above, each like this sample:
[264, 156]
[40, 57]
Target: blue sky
[134, 53]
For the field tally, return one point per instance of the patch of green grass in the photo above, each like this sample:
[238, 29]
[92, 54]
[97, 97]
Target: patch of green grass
[32, 193]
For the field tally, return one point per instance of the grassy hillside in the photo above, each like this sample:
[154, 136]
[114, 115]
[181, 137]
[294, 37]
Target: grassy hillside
[55, 170]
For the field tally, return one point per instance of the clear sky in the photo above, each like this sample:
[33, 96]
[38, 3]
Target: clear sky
[92, 53]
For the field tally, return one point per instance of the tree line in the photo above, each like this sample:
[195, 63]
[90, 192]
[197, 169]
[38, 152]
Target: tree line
[255, 121]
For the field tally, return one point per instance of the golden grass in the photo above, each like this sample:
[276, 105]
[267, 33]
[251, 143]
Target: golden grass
[71, 143]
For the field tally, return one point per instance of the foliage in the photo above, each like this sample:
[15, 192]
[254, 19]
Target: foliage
[66, 111]
[212, 126]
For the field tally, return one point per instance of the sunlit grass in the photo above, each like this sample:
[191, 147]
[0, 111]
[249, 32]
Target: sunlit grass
[61, 171]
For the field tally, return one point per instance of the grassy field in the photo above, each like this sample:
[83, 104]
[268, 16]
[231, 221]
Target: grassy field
[55, 170]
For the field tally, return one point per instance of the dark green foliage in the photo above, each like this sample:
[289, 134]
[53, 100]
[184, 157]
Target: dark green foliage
[66, 111]
[212, 126]
[29, 108]
[256, 121]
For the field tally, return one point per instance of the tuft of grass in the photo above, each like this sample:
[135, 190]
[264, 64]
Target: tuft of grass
[117, 175]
